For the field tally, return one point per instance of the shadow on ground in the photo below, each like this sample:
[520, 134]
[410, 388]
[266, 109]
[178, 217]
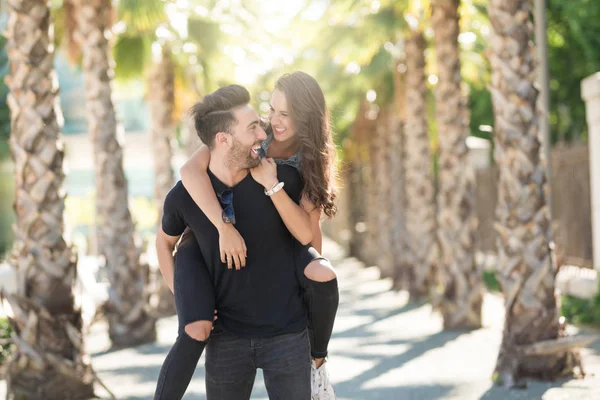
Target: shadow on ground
[382, 348]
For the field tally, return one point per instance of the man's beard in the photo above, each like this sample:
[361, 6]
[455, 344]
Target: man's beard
[240, 157]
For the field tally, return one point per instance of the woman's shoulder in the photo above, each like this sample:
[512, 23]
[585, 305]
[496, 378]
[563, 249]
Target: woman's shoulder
[292, 179]
[293, 161]
[264, 145]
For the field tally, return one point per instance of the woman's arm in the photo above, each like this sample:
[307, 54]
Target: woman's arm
[315, 218]
[196, 181]
[296, 218]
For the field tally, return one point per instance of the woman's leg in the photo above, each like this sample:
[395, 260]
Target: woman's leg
[194, 300]
[322, 299]
[321, 296]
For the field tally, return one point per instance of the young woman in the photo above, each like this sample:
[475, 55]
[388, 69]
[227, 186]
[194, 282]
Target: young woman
[299, 135]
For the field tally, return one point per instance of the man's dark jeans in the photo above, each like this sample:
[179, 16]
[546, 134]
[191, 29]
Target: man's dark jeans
[231, 364]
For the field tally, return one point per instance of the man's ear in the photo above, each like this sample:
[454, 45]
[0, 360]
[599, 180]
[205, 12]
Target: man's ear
[222, 138]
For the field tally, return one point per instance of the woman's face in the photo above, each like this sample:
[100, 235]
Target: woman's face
[280, 118]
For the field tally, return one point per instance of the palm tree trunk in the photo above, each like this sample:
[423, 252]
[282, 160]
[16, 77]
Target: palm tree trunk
[383, 218]
[397, 195]
[162, 103]
[421, 210]
[525, 260]
[126, 309]
[462, 295]
[356, 193]
[374, 156]
[397, 129]
[50, 362]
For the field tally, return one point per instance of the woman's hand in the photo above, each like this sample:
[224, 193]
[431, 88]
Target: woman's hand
[265, 173]
[232, 247]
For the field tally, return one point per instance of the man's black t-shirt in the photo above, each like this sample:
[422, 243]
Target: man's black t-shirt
[263, 299]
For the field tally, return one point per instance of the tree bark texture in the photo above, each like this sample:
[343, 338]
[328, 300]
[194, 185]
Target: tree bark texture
[526, 267]
[161, 96]
[50, 361]
[127, 308]
[461, 295]
[420, 197]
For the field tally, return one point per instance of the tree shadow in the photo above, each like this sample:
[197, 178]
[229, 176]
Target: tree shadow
[145, 349]
[534, 390]
[362, 331]
[352, 387]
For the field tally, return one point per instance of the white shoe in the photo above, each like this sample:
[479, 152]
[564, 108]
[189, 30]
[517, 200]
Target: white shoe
[320, 386]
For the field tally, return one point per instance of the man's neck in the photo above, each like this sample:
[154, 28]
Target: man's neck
[226, 174]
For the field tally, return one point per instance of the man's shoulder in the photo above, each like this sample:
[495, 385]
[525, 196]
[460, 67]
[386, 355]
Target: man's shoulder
[177, 190]
[292, 179]
[288, 172]
[178, 195]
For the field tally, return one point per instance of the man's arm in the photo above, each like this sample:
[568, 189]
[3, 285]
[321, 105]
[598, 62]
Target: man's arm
[173, 223]
[165, 245]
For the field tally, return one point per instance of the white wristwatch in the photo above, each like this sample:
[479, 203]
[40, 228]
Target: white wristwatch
[274, 189]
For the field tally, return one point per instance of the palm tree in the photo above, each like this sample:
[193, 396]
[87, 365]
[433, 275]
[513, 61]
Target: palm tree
[373, 157]
[50, 362]
[380, 163]
[354, 156]
[462, 295]
[397, 196]
[126, 310]
[136, 46]
[533, 344]
[421, 211]
[162, 101]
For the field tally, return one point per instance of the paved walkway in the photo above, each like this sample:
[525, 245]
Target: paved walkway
[383, 349]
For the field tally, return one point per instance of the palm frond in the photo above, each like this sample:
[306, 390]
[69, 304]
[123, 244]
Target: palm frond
[132, 54]
[142, 15]
[206, 34]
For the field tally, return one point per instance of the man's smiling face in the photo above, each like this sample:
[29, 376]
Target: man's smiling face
[247, 136]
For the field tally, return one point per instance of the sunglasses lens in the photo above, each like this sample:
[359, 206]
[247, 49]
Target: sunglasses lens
[228, 215]
[226, 197]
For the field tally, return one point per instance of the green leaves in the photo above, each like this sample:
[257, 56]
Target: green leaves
[206, 34]
[573, 54]
[142, 16]
[5, 332]
[132, 55]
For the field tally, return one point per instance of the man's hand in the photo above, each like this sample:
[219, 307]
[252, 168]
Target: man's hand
[265, 173]
[232, 247]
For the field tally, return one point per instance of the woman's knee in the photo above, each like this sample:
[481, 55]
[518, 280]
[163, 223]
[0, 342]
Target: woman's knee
[199, 330]
[320, 270]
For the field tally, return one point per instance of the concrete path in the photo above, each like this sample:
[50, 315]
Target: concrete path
[383, 348]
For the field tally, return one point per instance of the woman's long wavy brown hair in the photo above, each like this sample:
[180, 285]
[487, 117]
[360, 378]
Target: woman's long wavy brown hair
[310, 117]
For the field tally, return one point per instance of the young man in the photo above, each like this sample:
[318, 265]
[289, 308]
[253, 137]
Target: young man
[262, 321]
